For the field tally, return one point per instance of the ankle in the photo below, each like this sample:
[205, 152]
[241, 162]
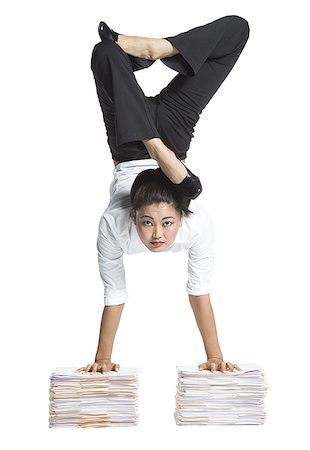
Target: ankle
[136, 45]
[162, 48]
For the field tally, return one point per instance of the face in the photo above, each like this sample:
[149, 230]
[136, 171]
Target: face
[157, 225]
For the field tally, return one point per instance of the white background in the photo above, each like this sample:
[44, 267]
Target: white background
[250, 150]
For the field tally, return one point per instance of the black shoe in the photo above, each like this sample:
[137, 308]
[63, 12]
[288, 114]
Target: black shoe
[106, 33]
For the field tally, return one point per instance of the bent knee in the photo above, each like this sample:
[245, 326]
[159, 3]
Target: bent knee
[103, 50]
[242, 24]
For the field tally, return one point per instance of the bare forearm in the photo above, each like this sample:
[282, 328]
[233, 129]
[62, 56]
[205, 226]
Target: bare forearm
[204, 316]
[172, 167]
[109, 323]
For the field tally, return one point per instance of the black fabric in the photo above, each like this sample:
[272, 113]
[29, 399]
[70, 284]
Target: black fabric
[207, 55]
[190, 186]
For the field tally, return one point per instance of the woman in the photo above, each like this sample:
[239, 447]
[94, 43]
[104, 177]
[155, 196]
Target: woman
[152, 189]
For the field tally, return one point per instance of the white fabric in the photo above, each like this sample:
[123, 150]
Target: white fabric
[117, 234]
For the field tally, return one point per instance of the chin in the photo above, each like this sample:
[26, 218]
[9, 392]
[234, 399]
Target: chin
[158, 249]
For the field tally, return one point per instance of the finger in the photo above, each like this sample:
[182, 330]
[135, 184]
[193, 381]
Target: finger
[202, 366]
[223, 367]
[102, 368]
[213, 367]
[95, 367]
[237, 367]
[88, 367]
[230, 366]
[116, 367]
[80, 369]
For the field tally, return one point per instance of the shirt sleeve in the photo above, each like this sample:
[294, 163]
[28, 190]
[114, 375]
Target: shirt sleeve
[201, 257]
[111, 265]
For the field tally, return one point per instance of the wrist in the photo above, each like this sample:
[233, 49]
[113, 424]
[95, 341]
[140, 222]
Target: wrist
[216, 357]
[102, 358]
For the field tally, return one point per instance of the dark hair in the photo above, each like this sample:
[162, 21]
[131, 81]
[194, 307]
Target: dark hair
[153, 186]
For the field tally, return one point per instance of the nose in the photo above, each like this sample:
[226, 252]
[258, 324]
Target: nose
[157, 233]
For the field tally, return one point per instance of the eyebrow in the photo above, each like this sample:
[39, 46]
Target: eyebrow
[169, 217]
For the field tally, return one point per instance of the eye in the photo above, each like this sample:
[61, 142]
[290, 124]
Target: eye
[145, 222]
[168, 222]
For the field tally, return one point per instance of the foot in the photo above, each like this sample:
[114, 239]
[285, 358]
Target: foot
[145, 47]
[137, 46]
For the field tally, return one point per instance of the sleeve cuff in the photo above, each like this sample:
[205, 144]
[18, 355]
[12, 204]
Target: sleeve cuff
[115, 296]
[199, 290]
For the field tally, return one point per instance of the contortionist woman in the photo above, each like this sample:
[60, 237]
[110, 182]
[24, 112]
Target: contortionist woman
[153, 195]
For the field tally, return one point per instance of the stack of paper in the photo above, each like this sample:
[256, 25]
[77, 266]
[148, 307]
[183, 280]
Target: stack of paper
[220, 398]
[93, 400]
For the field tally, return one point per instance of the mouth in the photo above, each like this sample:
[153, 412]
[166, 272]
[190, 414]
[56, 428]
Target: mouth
[157, 243]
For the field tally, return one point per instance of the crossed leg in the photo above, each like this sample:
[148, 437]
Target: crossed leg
[149, 48]
[206, 56]
[202, 56]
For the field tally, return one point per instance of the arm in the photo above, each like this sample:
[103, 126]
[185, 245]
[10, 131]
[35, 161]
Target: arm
[201, 306]
[109, 323]
[200, 266]
[204, 316]
[110, 259]
[111, 267]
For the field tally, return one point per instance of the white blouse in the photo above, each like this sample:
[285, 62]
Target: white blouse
[117, 234]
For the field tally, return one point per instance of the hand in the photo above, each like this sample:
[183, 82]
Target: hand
[101, 365]
[215, 364]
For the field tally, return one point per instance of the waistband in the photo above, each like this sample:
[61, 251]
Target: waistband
[135, 163]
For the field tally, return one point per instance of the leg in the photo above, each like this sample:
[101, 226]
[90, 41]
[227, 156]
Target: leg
[122, 100]
[207, 55]
[197, 44]
[145, 47]
[129, 115]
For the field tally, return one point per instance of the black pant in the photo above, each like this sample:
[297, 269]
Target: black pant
[206, 56]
